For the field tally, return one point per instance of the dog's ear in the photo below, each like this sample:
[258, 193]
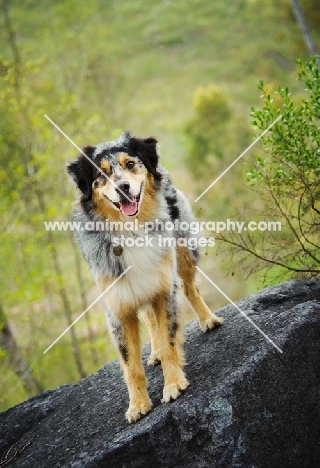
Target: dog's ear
[146, 150]
[81, 171]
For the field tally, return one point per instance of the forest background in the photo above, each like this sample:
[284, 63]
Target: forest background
[186, 72]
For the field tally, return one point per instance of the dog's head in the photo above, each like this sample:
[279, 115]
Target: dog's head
[115, 175]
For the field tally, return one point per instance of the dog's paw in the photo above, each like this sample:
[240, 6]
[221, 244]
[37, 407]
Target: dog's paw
[212, 322]
[172, 391]
[136, 411]
[154, 358]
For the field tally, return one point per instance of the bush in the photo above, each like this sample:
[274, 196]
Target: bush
[206, 131]
[286, 177]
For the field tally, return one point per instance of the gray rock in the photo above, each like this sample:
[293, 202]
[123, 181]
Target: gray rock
[248, 405]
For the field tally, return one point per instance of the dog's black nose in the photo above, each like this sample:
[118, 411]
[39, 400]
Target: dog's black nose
[123, 186]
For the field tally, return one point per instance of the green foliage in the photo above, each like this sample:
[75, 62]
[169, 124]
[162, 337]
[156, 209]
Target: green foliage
[216, 135]
[211, 105]
[292, 163]
[215, 131]
[286, 177]
[135, 64]
[33, 190]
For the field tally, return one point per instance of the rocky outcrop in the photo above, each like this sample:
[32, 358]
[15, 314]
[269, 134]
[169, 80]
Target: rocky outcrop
[248, 405]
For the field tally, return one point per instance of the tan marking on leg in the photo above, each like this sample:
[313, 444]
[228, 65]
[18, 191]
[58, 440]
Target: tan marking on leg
[153, 329]
[171, 353]
[186, 270]
[149, 314]
[133, 370]
[125, 334]
[166, 283]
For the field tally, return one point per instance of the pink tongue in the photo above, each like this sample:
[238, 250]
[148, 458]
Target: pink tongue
[129, 209]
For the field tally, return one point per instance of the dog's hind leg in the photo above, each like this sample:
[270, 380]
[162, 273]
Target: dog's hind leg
[166, 311]
[186, 270]
[125, 334]
[153, 329]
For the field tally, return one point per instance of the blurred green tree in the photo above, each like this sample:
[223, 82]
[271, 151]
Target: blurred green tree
[29, 176]
[42, 274]
[216, 135]
[207, 130]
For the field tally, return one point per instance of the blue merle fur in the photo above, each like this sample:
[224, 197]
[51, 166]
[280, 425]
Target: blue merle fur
[96, 246]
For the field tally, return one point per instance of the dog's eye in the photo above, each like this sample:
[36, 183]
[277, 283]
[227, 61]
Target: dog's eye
[130, 165]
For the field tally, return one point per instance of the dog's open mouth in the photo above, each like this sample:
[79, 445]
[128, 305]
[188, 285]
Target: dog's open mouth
[129, 207]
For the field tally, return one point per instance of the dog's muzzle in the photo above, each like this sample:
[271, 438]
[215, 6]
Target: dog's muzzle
[123, 188]
[128, 204]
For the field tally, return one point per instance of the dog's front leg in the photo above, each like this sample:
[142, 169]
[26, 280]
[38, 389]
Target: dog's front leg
[166, 310]
[153, 329]
[125, 333]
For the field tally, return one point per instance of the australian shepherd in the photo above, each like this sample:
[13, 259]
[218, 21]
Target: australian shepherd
[122, 181]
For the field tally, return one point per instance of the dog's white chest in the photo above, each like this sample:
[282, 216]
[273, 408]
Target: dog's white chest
[142, 282]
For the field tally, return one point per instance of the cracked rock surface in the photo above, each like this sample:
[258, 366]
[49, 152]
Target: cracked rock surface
[248, 405]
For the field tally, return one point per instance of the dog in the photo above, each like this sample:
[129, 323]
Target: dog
[121, 181]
